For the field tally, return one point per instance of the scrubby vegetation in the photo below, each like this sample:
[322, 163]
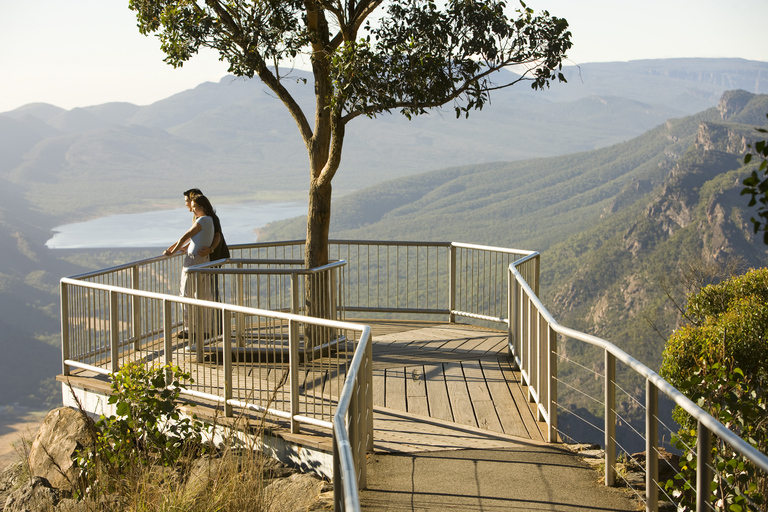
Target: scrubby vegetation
[719, 359]
[149, 456]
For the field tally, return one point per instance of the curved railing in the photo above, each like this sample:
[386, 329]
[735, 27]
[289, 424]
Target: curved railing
[533, 334]
[97, 336]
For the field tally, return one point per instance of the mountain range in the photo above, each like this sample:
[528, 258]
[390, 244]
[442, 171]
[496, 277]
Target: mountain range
[628, 170]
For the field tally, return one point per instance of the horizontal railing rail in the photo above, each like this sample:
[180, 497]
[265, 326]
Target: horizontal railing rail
[533, 344]
[98, 335]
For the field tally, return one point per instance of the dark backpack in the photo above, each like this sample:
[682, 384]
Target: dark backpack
[221, 251]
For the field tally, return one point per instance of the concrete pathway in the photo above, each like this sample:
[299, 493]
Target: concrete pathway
[521, 477]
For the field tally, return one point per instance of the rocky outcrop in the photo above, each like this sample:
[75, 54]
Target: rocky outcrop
[44, 482]
[733, 102]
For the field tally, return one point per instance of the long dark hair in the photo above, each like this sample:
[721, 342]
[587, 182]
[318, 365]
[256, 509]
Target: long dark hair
[203, 202]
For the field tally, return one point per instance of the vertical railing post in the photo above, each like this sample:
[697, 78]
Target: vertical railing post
[451, 283]
[541, 365]
[529, 347]
[362, 433]
[511, 312]
[295, 293]
[227, 355]
[333, 309]
[64, 294]
[353, 430]
[703, 468]
[239, 317]
[552, 383]
[369, 395]
[610, 419]
[293, 350]
[167, 331]
[338, 479]
[651, 447]
[135, 309]
[114, 334]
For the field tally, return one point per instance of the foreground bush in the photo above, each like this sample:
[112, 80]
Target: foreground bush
[719, 359]
[148, 456]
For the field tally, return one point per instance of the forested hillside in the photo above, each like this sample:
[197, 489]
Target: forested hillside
[607, 222]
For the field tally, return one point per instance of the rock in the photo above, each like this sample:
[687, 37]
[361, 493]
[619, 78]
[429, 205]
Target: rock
[36, 495]
[297, 492]
[669, 463]
[9, 479]
[63, 432]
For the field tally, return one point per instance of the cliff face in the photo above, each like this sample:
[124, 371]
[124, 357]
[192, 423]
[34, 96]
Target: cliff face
[695, 216]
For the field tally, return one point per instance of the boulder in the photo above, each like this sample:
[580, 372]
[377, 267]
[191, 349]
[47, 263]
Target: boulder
[63, 432]
[297, 492]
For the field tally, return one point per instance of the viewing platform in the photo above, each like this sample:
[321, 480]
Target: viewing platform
[415, 375]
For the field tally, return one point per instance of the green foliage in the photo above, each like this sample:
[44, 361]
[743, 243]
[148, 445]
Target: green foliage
[728, 323]
[740, 402]
[148, 429]
[720, 361]
[756, 186]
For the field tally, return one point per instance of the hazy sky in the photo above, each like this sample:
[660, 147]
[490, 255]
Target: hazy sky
[75, 53]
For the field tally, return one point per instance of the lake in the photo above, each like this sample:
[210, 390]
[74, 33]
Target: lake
[239, 223]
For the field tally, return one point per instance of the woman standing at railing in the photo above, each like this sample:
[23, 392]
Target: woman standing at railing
[199, 235]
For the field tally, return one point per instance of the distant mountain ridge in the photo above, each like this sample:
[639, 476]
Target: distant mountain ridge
[233, 137]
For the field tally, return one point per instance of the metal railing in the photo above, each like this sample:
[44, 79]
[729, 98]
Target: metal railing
[533, 342]
[375, 278]
[330, 390]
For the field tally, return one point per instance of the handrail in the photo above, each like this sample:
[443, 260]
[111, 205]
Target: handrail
[654, 383]
[342, 444]
[351, 461]
[471, 276]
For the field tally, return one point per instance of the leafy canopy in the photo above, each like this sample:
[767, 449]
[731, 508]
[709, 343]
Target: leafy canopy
[414, 57]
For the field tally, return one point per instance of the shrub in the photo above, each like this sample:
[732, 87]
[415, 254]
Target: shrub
[147, 429]
[720, 361]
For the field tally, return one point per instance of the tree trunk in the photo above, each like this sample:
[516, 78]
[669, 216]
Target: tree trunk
[317, 287]
[318, 224]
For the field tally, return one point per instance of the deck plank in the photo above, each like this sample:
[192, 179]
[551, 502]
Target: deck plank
[506, 408]
[461, 405]
[379, 386]
[437, 393]
[521, 400]
[485, 411]
[395, 396]
[416, 389]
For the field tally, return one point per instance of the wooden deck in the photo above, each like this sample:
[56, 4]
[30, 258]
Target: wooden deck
[430, 379]
[435, 387]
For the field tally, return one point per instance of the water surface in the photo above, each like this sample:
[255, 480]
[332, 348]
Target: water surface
[161, 228]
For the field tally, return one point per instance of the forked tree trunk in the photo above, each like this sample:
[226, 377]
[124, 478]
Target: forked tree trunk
[318, 224]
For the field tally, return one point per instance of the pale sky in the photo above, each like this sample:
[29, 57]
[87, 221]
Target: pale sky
[76, 53]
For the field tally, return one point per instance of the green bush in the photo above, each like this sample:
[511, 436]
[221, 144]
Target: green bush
[720, 361]
[728, 323]
[148, 429]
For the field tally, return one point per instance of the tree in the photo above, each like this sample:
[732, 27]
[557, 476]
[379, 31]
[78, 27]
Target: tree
[757, 187]
[416, 57]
